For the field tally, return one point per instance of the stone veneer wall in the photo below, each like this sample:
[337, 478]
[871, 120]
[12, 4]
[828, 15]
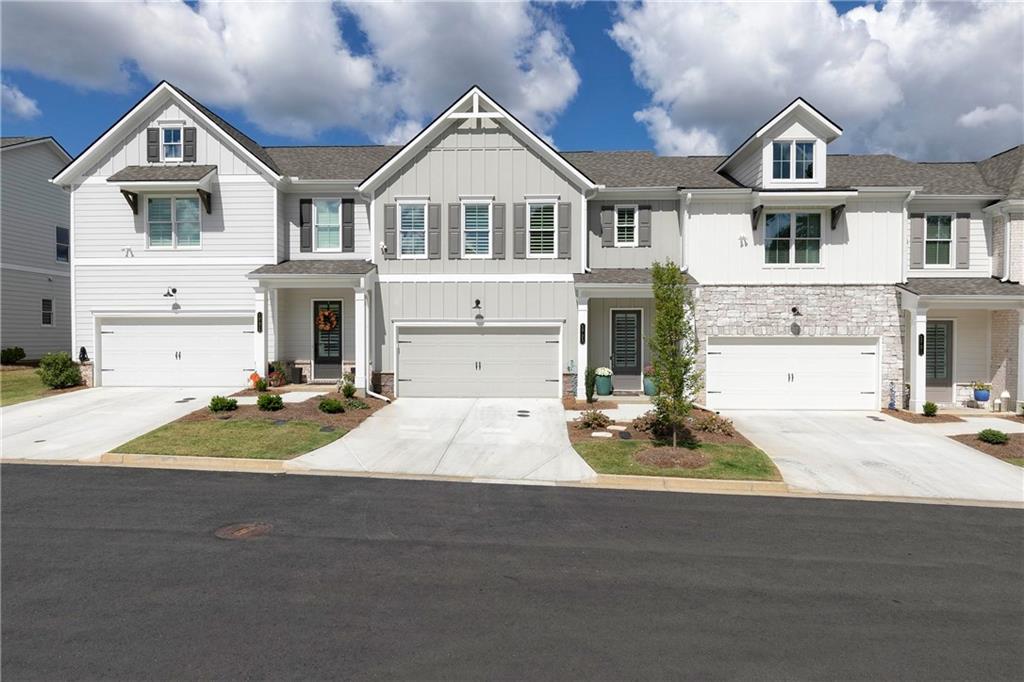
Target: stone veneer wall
[1004, 355]
[826, 310]
[1016, 226]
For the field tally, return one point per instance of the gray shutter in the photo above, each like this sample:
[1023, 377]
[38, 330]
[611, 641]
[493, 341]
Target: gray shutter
[607, 226]
[390, 232]
[519, 230]
[433, 231]
[498, 231]
[454, 231]
[348, 225]
[305, 224]
[565, 230]
[963, 241]
[153, 145]
[916, 241]
[643, 226]
[188, 148]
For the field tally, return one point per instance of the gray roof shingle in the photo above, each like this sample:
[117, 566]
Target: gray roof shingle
[316, 267]
[331, 163]
[1005, 171]
[10, 141]
[161, 173]
[619, 276]
[645, 169]
[961, 286]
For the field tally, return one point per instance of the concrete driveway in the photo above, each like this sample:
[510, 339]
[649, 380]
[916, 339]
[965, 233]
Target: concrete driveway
[85, 424]
[866, 453]
[507, 439]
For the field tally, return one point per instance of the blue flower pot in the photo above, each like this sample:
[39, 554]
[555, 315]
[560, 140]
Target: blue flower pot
[649, 387]
[981, 395]
[604, 385]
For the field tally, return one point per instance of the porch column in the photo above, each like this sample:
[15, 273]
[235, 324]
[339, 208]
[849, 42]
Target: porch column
[582, 322]
[260, 322]
[918, 339]
[360, 337]
[1019, 397]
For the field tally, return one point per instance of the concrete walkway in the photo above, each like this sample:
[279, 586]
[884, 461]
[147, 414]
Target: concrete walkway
[866, 453]
[93, 421]
[973, 425]
[467, 438]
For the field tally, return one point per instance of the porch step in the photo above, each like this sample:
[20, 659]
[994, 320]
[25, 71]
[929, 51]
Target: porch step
[625, 392]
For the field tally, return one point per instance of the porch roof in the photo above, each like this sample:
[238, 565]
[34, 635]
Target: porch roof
[183, 173]
[962, 286]
[606, 276]
[318, 268]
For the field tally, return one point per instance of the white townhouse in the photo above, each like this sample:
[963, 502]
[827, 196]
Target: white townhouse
[35, 275]
[477, 260]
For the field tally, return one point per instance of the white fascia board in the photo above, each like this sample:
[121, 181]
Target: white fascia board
[887, 190]
[802, 199]
[1005, 205]
[166, 185]
[469, 278]
[964, 197]
[972, 302]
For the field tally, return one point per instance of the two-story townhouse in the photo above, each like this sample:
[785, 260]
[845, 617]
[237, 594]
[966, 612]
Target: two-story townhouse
[35, 290]
[477, 260]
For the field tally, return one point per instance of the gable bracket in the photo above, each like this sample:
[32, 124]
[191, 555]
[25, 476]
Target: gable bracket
[206, 198]
[133, 200]
[755, 216]
[837, 214]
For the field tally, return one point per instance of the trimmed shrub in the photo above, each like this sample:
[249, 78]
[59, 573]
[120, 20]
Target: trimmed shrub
[348, 389]
[260, 385]
[593, 419]
[654, 423]
[356, 404]
[930, 409]
[993, 436]
[12, 355]
[591, 385]
[219, 403]
[713, 423]
[331, 406]
[58, 370]
[269, 402]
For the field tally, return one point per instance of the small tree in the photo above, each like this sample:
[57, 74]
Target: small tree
[673, 346]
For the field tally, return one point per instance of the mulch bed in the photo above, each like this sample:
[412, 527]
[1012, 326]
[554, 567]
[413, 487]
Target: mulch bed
[671, 458]
[578, 435]
[582, 405]
[287, 388]
[305, 411]
[1012, 450]
[1007, 416]
[915, 418]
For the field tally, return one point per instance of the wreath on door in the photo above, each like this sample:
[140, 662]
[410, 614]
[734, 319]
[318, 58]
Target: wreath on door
[326, 320]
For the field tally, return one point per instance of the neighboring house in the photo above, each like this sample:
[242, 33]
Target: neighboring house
[478, 261]
[35, 290]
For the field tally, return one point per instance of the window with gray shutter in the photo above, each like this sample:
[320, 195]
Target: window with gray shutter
[565, 230]
[189, 147]
[519, 230]
[963, 241]
[454, 231]
[305, 225]
[607, 226]
[916, 241]
[644, 226]
[348, 225]
[390, 232]
[434, 231]
[153, 145]
[498, 224]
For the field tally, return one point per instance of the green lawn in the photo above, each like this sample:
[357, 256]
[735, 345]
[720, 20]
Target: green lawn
[19, 385]
[1019, 461]
[734, 462]
[254, 438]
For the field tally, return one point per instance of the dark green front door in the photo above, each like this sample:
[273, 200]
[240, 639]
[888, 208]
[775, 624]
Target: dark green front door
[326, 340]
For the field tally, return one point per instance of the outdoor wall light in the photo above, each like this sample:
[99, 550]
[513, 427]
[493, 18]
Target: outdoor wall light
[171, 292]
[796, 312]
[476, 305]
[83, 356]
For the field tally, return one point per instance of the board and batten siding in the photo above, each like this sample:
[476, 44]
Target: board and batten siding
[664, 235]
[361, 220]
[599, 330]
[481, 161]
[453, 302]
[295, 315]
[863, 249]
[981, 247]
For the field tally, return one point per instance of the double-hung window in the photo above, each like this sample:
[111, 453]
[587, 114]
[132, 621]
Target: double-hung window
[938, 240]
[327, 225]
[792, 160]
[792, 238]
[46, 308]
[412, 229]
[476, 229]
[172, 147]
[625, 226]
[541, 230]
[63, 244]
[173, 223]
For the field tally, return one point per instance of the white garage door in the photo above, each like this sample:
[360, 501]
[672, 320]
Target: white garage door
[179, 352]
[792, 374]
[478, 363]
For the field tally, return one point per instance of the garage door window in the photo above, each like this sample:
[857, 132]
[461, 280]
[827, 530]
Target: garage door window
[173, 223]
[792, 238]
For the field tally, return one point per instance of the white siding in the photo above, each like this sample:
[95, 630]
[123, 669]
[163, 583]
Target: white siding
[290, 213]
[664, 235]
[748, 167]
[981, 247]
[295, 309]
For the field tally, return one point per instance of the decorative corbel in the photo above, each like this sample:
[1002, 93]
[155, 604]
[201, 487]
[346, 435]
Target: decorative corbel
[133, 200]
[837, 214]
[755, 216]
[206, 198]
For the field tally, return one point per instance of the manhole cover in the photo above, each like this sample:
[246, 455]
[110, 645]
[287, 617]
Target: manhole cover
[243, 531]
[625, 435]
[280, 422]
[326, 429]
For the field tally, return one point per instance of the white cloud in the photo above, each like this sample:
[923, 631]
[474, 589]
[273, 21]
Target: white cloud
[16, 103]
[288, 67]
[899, 78]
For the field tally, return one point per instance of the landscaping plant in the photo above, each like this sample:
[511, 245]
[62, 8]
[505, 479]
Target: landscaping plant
[277, 377]
[993, 436]
[260, 385]
[219, 403]
[331, 406]
[593, 419]
[930, 409]
[348, 389]
[58, 370]
[713, 423]
[591, 383]
[673, 346]
[12, 355]
[356, 404]
[269, 402]
[654, 423]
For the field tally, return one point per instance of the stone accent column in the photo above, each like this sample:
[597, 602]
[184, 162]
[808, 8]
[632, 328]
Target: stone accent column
[917, 350]
[360, 338]
[86, 368]
[582, 317]
[1015, 225]
[998, 246]
[1019, 396]
[260, 330]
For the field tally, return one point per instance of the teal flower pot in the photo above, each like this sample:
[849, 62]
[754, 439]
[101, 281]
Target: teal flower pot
[649, 387]
[604, 385]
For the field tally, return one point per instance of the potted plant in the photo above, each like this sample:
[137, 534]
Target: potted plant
[604, 380]
[277, 377]
[982, 391]
[649, 386]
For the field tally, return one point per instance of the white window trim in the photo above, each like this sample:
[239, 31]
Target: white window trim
[791, 263]
[398, 229]
[180, 125]
[174, 224]
[53, 312]
[554, 252]
[792, 161]
[951, 265]
[56, 244]
[490, 229]
[636, 226]
[316, 239]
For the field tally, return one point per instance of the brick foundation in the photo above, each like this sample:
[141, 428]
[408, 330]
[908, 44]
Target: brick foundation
[383, 383]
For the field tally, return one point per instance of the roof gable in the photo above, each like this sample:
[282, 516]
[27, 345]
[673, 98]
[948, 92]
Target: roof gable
[10, 143]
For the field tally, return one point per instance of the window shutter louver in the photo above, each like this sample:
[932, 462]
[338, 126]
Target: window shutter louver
[153, 145]
[390, 232]
[917, 241]
[963, 241]
[433, 231]
[644, 226]
[305, 225]
[188, 149]
[454, 231]
[348, 225]
[498, 231]
[519, 230]
[565, 230]
[607, 226]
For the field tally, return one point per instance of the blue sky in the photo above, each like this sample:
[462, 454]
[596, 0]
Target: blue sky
[589, 76]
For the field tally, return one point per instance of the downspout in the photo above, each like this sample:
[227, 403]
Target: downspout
[370, 332]
[904, 244]
[588, 194]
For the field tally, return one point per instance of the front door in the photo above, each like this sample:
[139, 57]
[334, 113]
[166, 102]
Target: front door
[326, 340]
[938, 362]
[626, 343]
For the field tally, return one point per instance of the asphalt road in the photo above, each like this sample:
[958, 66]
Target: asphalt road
[116, 573]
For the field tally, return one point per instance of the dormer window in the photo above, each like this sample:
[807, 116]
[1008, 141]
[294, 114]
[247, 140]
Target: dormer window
[172, 145]
[792, 160]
